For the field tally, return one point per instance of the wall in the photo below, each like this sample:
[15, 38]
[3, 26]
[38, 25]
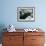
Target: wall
[9, 13]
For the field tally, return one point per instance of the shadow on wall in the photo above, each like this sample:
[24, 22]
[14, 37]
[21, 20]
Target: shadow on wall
[2, 26]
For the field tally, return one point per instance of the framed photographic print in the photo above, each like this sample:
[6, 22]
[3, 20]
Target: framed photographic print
[25, 14]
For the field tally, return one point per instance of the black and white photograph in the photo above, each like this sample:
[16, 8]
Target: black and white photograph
[25, 14]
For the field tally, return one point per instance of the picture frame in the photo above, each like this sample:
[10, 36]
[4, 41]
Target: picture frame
[25, 14]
